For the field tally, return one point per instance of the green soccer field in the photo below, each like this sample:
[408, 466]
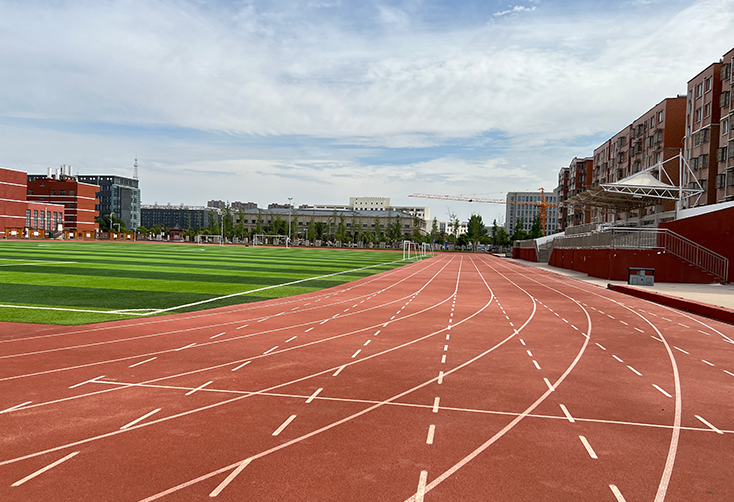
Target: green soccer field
[84, 282]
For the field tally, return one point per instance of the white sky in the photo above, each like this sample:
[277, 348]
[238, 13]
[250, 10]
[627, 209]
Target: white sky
[320, 101]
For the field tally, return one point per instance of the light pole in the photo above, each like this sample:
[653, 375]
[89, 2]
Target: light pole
[290, 214]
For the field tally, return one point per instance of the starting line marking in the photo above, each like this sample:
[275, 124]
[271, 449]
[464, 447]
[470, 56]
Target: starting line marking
[431, 432]
[284, 425]
[41, 471]
[435, 404]
[421, 492]
[198, 388]
[339, 370]
[229, 478]
[313, 396]
[588, 447]
[617, 493]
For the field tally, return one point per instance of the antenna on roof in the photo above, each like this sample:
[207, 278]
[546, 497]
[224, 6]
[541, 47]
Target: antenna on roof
[135, 168]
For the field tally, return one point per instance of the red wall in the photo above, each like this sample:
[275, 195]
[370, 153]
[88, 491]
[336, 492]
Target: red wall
[12, 199]
[527, 254]
[714, 231]
[612, 264]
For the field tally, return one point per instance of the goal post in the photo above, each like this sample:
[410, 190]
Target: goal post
[270, 239]
[209, 239]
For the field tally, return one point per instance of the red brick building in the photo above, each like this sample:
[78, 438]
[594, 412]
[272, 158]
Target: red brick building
[79, 199]
[725, 152]
[703, 114]
[572, 180]
[18, 217]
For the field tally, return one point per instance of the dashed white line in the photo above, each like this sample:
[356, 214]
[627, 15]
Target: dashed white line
[448, 336]
[564, 320]
[421, 492]
[536, 364]
[443, 359]
[324, 321]
[568, 415]
[41, 471]
[547, 382]
[624, 323]
[241, 365]
[681, 324]
[600, 346]
[309, 329]
[729, 373]
[291, 339]
[313, 396]
[634, 370]
[574, 327]
[655, 338]
[610, 317]
[284, 425]
[707, 334]
[666, 319]
[142, 362]
[678, 348]
[186, 347]
[367, 342]
[243, 326]
[377, 332]
[435, 404]
[440, 377]
[445, 348]
[339, 370]
[229, 478]
[661, 390]
[393, 317]
[86, 381]
[197, 389]
[529, 353]
[588, 447]
[270, 350]
[708, 424]
[522, 341]
[617, 493]
[140, 419]
[431, 432]
[617, 358]
[638, 329]
[355, 354]
[706, 362]
[215, 336]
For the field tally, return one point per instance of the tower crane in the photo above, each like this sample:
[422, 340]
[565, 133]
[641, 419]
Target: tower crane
[542, 204]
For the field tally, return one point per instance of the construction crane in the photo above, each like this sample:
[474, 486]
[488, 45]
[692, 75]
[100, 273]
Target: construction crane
[542, 204]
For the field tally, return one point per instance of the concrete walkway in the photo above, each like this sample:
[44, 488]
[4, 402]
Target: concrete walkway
[719, 295]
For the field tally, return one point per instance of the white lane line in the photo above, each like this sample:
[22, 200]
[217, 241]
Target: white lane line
[568, 415]
[309, 329]
[16, 407]
[241, 365]
[291, 339]
[443, 359]
[215, 336]
[142, 362]
[355, 354]
[655, 338]
[617, 358]
[547, 382]
[284, 425]
[564, 319]
[263, 319]
[196, 389]
[707, 334]
[440, 378]
[574, 327]
[677, 348]
[445, 348]
[186, 347]
[522, 341]
[666, 319]
[537, 366]
[385, 325]
[661, 390]
[324, 321]
[588, 447]
[339, 370]
[511, 324]
[529, 353]
[705, 361]
[140, 419]
[270, 350]
[86, 381]
[600, 346]
[681, 324]
[556, 313]
[41, 471]
[652, 314]
[435, 404]
[624, 323]
[448, 337]
[638, 329]
[600, 311]
[729, 373]
[634, 370]
[313, 396]
[346, 310]
[708, 424]
[229, 478]
[421, 492]
[610, 317]
[617, 493]
[431, 432]
[393, 317]
[367, 342]
[377, 332]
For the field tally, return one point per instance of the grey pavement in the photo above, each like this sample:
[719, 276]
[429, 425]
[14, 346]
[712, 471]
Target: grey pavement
[720, 295]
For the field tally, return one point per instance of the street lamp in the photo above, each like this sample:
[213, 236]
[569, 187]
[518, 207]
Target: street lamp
[290, 214]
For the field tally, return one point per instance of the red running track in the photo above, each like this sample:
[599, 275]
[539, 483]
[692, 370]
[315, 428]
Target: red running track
[459, 378]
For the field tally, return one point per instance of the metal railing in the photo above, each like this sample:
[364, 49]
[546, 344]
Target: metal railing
[651, 238]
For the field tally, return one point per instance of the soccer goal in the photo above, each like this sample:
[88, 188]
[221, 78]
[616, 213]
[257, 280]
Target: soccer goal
[270, 239]
[209, 239]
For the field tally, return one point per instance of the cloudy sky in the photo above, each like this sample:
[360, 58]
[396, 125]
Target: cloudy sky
[321, 100]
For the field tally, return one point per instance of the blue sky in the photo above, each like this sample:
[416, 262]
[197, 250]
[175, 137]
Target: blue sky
[321, 100]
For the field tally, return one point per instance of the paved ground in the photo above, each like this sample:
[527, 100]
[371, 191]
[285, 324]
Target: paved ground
[458, 378]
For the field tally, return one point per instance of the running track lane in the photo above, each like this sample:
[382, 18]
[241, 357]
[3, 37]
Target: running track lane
[383, 428]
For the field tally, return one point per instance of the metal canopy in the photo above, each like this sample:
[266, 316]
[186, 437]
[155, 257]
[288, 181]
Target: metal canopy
[639, 190]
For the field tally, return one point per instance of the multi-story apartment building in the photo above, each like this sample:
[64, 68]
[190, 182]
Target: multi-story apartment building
[703, 114]
[234, 206]
[725, 153]
[376, 204]
[573, 180]
[118, 195]
[13, 190]
[79, 199]
[526, 205]
[181, 216]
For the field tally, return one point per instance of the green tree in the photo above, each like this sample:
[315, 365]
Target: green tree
[259, 227]
[455, 225]
[536, 230]
[109, 222]
[311, 233]
[475, 229]
[320, 230]
[341, 231]
[417, 236]
[519, 234]
[434, 230]
[378, 230]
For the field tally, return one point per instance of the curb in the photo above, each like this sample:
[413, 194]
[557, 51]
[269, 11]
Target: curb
[719, 313]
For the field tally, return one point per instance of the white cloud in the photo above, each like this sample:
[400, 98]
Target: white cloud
[514, 10]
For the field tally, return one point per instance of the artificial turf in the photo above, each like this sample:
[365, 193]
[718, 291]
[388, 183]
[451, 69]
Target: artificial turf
[70, 279]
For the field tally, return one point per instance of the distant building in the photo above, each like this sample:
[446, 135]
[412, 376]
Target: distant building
[572, 180]
[526, 205]
[376, 204]
[62, 187]
[118, 196]
[234, 206]
[184, 217]
[725, 153]
[18, 217]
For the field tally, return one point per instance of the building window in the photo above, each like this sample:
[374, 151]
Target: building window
[724, 127]
[28, 218]
[699, 90]
[660, 117]
[707, 83]
[707, 109]
[698, 115]
[35, 218]
[62, 192]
